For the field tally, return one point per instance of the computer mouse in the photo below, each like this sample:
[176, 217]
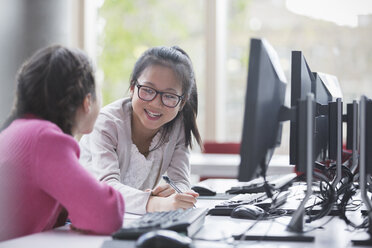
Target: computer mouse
[249, 211]
[203, 190]
[163, 239]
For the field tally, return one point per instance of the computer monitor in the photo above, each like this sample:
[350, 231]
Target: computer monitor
[333, 90]
[325, 88]
[335, 124]
[351, 125]
[332, 85]
[321, 137]
[265, 94]
[352, 134]
[302, 80]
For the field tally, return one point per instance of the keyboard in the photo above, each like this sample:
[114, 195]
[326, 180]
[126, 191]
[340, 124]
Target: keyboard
[187, 221]
[257, 185]
[225, 208]
[259, 199]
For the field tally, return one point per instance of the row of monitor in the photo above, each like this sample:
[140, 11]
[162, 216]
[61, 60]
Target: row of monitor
[316, 121]
[265, 112]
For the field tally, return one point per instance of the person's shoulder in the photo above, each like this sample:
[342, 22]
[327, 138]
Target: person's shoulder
[52, 134]
[118, 105]
[42, 131]
[34, 126]
[26, 131]
[118, 112]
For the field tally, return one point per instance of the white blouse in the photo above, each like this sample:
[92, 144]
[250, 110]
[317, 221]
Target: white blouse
[141, 170]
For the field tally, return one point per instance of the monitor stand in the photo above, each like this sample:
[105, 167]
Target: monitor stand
[273, 231]
[338, 107]
[363, 173]
[294, 230]
[297, 222]
[354, 156]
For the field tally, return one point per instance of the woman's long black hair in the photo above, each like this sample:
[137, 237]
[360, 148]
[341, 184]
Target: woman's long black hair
[178, 60]
[52, 84]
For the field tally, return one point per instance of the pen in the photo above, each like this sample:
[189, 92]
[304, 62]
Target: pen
[171, 183]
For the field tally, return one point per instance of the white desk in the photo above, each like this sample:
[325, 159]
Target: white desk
[333, 235]
[227, 165]
[58, 238]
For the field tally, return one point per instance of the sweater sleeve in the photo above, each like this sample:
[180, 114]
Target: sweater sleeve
[135, 199]
[91, 205]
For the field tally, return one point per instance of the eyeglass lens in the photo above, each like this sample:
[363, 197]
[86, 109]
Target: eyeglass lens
[148, 94]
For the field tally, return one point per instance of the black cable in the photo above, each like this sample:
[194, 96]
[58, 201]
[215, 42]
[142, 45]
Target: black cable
[347, 196]
[347, 190]
[345, 199]
[329, 195]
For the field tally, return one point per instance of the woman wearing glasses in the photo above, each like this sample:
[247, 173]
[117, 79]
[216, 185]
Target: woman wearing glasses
[138, 139]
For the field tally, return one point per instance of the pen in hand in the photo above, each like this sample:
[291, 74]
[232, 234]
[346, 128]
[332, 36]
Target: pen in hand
[171, 183]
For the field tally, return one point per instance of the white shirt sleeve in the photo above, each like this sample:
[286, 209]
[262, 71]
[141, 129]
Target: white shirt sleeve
[100, 155]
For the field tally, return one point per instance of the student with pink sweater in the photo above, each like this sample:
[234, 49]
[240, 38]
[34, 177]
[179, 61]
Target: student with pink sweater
[41, 180]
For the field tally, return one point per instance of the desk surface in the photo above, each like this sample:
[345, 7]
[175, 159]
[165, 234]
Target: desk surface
[332, 232]
[227, 165]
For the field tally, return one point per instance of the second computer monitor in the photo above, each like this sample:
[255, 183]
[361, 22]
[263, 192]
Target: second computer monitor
[265, 94]
[333, 92]
[321, 137]
[301, 85]
[303, 82]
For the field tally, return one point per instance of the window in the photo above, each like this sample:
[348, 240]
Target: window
[216, 36]
[342, 50]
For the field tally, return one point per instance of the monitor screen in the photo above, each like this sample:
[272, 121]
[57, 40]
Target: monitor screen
[265, 94]
[332, 89]
[302, 80]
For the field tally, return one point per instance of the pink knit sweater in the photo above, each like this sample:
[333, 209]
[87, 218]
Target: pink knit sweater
[40, 174]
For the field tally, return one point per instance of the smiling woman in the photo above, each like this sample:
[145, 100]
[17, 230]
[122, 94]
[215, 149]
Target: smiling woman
[138, 139]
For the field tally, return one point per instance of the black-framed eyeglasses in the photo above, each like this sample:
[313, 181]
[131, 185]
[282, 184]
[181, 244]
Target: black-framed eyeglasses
[148, 94]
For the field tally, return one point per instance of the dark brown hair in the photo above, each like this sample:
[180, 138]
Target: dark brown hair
[178, 60]
[52, 84]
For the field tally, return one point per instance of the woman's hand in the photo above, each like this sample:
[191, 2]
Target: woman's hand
[175, 201]
[163, 190]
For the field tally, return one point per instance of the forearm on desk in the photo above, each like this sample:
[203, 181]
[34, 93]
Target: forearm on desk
[135, 199]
